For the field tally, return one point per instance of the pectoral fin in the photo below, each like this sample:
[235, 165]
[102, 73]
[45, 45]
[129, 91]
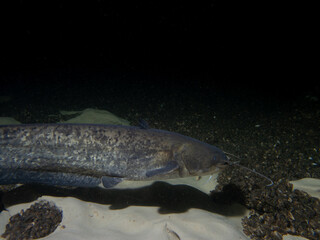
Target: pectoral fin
[171, 166]
[109, 182]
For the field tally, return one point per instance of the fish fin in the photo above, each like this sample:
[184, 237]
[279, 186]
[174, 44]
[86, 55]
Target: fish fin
[109, 182]
[143, 124]
[172, 165]
[178, 150]
[8, 176]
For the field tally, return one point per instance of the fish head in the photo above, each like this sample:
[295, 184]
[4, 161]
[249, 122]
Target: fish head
[203, 159]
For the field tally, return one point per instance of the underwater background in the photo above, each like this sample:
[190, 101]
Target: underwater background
[236, 75]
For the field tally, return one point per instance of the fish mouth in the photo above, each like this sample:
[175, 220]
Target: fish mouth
[213, 169]
[202, 172]
[223, 165]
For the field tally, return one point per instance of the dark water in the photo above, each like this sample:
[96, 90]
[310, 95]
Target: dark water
[224, 73]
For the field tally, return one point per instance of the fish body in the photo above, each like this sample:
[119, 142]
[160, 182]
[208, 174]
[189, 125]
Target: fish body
[89, 154]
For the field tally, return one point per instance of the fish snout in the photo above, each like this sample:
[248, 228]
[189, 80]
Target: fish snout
[218, 161]
[207, 164]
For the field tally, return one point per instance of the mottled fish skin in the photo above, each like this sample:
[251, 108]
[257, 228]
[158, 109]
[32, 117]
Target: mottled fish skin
[81, 154]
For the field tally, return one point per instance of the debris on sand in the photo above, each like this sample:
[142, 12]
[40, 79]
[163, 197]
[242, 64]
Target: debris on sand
[38, 221]
[275, 211]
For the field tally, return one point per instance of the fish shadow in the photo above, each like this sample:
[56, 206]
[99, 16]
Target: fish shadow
[169, 198]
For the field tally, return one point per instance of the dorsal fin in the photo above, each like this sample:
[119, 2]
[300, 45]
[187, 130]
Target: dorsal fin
[143, 124]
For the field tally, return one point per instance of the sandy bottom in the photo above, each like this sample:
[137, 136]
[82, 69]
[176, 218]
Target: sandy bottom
[86, 220]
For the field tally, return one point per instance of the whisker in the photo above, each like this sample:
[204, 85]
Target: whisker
[209, 179]
[253, 171]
